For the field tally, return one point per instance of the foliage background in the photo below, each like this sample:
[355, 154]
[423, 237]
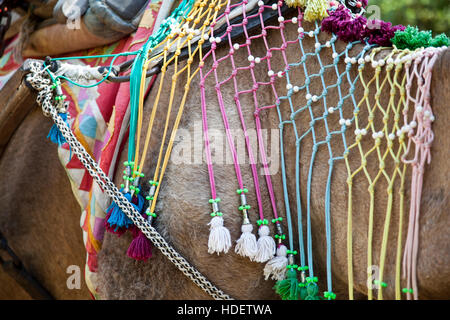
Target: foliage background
[426, 14]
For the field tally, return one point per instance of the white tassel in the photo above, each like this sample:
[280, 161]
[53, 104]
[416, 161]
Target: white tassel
[266, 245]
[219, 236]
[276, 268]
[246, 245]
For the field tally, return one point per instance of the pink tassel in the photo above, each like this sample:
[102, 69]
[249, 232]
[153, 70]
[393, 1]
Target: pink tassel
[140, 248]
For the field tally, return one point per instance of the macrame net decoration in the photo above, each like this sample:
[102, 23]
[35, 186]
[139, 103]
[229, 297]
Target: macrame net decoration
[347, 111]
[352, 113]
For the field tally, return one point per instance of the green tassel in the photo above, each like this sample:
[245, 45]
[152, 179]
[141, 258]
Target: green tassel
[312, 292]
[412, 38]
[288, 288]
[440, 41]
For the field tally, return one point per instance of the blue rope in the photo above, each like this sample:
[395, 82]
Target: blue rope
[316, 143]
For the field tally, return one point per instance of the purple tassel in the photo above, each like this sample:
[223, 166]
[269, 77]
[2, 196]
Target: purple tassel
[141, 247]
[352, 29]
[330, 23]
[380, 32]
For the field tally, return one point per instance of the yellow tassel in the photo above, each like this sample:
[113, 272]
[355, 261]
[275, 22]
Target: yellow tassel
[316, 10]
[296, 3]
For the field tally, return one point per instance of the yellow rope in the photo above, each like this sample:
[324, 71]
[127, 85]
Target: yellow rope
[395, 147]
[201, 11]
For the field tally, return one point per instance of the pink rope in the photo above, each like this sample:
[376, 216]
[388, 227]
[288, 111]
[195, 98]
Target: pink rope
[255, 86]
[422, 140]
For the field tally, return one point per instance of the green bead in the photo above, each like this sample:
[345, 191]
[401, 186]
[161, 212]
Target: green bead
[245, 190]
[274, 220]
[213, 214]
[280, 218]
[239, 191]
[211, 200]
[241, 208]
[122, 186]
[218, 200]
[219, 214]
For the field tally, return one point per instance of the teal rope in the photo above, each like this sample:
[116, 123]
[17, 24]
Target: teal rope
[316, 144]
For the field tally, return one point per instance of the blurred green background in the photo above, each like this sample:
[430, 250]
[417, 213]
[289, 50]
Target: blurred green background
[426, 14]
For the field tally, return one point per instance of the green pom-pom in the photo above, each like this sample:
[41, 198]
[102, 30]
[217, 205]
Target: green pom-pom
[312, 291]
[440, 41]
[288, 288]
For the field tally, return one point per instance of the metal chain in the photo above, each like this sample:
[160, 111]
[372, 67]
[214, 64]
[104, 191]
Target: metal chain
[40, 81]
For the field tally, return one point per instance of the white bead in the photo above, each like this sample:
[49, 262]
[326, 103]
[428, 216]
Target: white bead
[419, 109]
[335, 55]
[308, 96]
[289, 86]
[347, 60]
[432, 118]
[274, 6]
[251, 58]
[381, 63]
[300, 30]
[374, 135]
[348, 122]
[280, 74]
[328, 44]
[218, 39]
[315, 98]
[353, 60]
[294, 20]
[196, 32]
[341, 122]
[374, 64]
[406, 128]
[380, 134]
[367, 58]
[361, 61]
[311, 34]
[317, 45]
[413, 124]
[236, 46]
[390, 61]
[357, 132]
[391, 136]
[296, 88]
[206, 36]
[363, 132]
[270, 73]
[260, 3]
[330, 110]
[257, 60]
[427, 113]
[280, 19]
[399, 133]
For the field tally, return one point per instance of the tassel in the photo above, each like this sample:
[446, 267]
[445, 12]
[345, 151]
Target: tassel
[295, 3]
[117, 219]
[113, 229]
[219, 236]
[276, 267]
[316, 10]
[140, 248]
[288, 288]
[266, 245]
[246, 245]
[55, 135]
